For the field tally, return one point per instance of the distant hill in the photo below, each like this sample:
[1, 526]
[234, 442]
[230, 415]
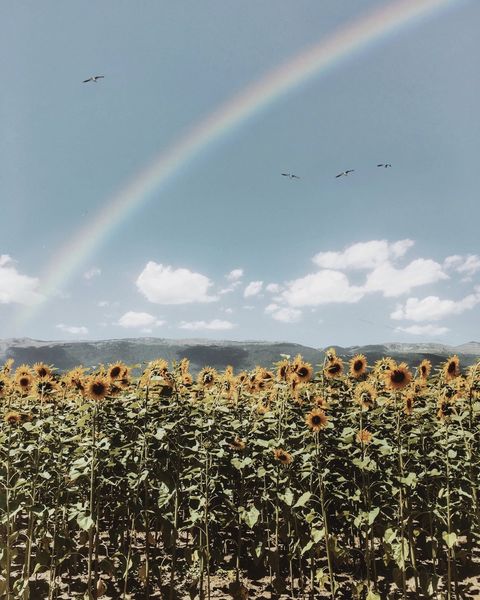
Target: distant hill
[216, 353]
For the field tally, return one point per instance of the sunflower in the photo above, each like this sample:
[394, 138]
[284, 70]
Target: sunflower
[283, 370]
[75, 379]
[12, 417]
[238, 444]
[42, 370]
[408, 402]
[445, 409]
[424, 368]
[207, 377]
[316, 420]
[5, 385]
[46, 386]
[158, 367]
[331, 355]
[334, 368]
[384, 364]
[242, 378]
[451, 368]
[117, 370]
[97, 387]
[187, 379]
[320, 402]
[263, 378]
[23, 381]
[7, 366]
[301, 370]
[398, 377]
[365, 395]
[358, 366]
[282, 456]
[364, 436]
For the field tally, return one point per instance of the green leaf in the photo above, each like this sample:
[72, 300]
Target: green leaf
[372, 596]
[85, 522]
[373, 514]
[304, 498]
[251, 517]
[449, 538]
[317, 534]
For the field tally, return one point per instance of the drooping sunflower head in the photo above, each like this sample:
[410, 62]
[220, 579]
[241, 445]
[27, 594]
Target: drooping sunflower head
[12, 417]
[365, 395]
[75, 379]
[451, 368]
[238, 444]
[398, 377]
[117, 370]
[207, 377]
[445, 409]
[5, 385]
[46, 387]
[97, 387]
[358, 366]
[158, 367]
[242, 378]
[364, 437]
[283, 370]
[333, 368]
[284, 457]
[42, 370]
[320, 402]
[408, 403]
[301, 370]
[316, 419]
[424, 369]
[263, 378]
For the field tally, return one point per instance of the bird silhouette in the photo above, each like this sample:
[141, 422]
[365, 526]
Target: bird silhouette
[386, 165]
[290, 175]
[94, 78]
[345, 173]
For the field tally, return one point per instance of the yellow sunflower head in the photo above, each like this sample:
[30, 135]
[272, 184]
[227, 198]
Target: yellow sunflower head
[301, 370]
[331, 355]
[383, 365]
[398, 377]
[316, 419]
[424, 369]
[284, 457]
[283, 370]
[207, 377]
[12, 417]
[5, 385]
[333, 368]
[445, 409]
[117, 371]
[46, 386]
[7, 366]
[451, 368]
[97, 387]
[358, 366]
[42, 370]
[364, 437]
[365, 395]
[23, 381]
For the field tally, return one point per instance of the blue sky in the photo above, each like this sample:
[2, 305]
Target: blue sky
[229, 248]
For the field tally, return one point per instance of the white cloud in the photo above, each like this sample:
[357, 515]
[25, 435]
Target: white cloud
[424, 330]
[363, 255]
[283, 314]
[136, 320]
[393, 282]
[228, 310]
[234, 275]
[103, 303]
[216, 324]
[73, 329]
[432, 308]
[91, 273]
[165, 285]
[273, 288]
[467, 265]
[323, 287]
[253, 288]
[15, 287]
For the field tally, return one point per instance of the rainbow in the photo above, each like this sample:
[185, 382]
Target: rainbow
[313, 62]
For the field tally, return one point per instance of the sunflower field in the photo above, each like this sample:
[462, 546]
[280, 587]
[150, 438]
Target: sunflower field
[343, 481]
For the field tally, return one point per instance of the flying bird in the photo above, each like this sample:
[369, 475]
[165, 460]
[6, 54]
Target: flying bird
[345, 173]
[386, 165]
[290, 175]
[94, 78]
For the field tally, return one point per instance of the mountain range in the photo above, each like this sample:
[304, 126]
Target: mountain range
[65, 355]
